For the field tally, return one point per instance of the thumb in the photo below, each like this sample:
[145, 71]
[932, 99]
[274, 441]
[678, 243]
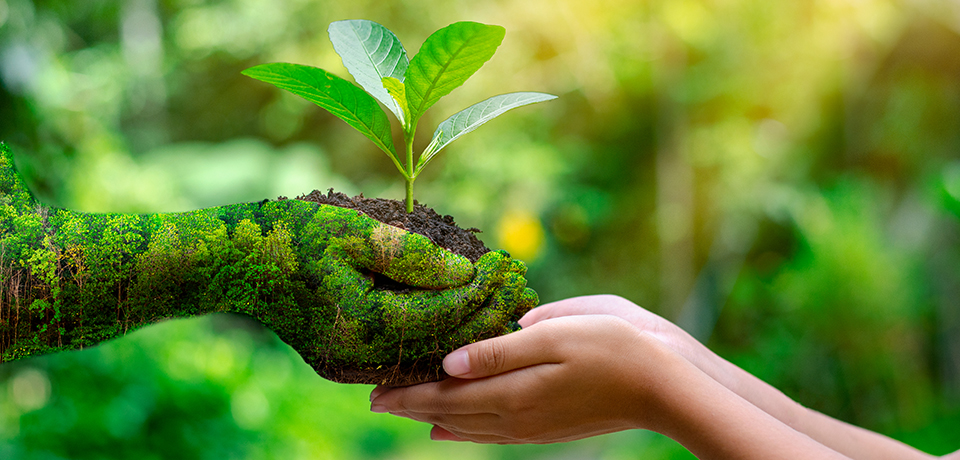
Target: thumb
[526, 347]
[407, 257]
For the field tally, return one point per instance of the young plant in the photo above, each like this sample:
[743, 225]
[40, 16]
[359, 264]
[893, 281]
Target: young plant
[378, 62]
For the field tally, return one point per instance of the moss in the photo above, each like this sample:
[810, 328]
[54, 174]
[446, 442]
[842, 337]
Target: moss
[304, 270]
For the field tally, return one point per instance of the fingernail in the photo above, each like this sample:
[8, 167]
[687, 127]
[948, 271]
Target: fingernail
[457, 363]
[378, 408]
[377, 392]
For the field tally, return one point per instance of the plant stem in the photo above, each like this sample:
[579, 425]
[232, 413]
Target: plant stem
[408, 139]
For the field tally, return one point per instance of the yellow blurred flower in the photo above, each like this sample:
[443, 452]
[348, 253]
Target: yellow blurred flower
[521, 234]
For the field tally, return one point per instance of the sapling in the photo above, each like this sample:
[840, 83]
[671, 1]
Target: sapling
[378, 62]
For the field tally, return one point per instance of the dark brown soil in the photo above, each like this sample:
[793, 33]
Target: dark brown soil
[442, 230]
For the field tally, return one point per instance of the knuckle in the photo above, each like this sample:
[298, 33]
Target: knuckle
[441, 407]
[491, 356]
[397, 404]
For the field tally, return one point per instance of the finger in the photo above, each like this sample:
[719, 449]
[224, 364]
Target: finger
[539, 344]
[501, 430]
[451, 396]
[575, 306]
[509, 299]
[438, 433]
[489, 429]
[564, 307]
[421, 263]
[480, 438]
[461, 423]
[533, 345]
[377, 391]
[501, 287]
[409, 258]
[444, 397]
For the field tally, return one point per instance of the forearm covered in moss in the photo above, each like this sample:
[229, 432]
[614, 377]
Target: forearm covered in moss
[308, 272]
[73, 279]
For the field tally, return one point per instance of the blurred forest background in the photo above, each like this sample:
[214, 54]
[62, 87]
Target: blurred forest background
[782, 178]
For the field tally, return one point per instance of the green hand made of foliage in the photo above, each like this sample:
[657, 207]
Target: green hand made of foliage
[378, 62]
[306, 271]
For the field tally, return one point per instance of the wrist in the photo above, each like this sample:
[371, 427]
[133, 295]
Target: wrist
[661, 379]
[698, 355]
[712, 421]
[714, 366]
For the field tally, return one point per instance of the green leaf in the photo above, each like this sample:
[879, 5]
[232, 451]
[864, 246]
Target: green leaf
[335, 94]
[370, 52]
[448, 58]
[399, 93]
[472, 117]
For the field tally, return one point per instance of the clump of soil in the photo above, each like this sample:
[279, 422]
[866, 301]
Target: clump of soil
[442, 230]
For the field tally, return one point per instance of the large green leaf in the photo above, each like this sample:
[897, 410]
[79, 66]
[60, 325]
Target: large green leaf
[447, 58]
[472, 117]
[335, 94]
[370, 52]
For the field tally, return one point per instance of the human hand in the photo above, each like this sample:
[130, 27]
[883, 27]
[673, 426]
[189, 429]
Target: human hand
[556, 380]
[361, 301]
[666, 332]
[844, 438]
[563, 378]
[572, 377]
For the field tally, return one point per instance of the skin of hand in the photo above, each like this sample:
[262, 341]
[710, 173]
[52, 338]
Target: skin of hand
[545, 362]
[568, 378]
[847, 439]
[480, 361]
[306, 271]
